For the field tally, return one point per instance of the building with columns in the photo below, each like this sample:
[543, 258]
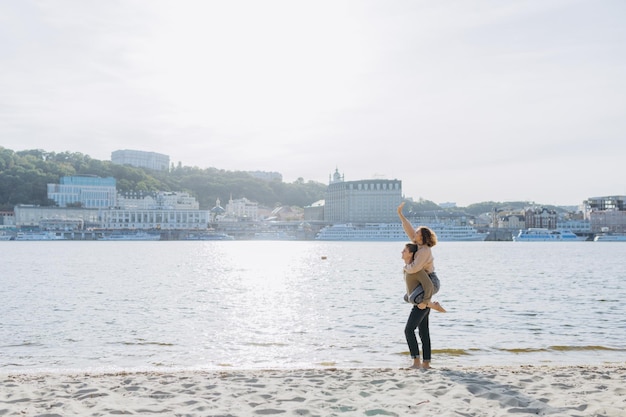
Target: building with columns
[363, 201]
[153, 219]
[162, 211]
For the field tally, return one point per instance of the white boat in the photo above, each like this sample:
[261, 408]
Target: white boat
[394, 232]
[540, 234]
[208, 236]
[117, 236]
[609, 237]
[39, 236]
[457, 233]
[6, 237]
[273, 235]
[365, 232]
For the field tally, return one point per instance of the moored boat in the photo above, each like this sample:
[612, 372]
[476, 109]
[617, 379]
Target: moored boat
[365, 232]
[118, 236]
[457, 233]
[540, 234]
[208, 236]
[394, 232]
[610, 237]
[273, 235]
[39, 236]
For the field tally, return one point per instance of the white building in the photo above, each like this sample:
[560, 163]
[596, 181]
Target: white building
[84, 191]
[7, 219]
[161, 200]
[31, 216]
[141, 159]
[512, 221]
[153, 219]
[576, 226]
[162, 211]
[242, 208]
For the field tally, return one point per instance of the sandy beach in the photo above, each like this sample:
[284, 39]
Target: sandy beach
[462, 391]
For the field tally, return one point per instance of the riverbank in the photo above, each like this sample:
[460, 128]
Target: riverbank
[466, 391]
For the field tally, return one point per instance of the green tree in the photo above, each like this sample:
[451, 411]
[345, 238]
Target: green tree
[24, 177]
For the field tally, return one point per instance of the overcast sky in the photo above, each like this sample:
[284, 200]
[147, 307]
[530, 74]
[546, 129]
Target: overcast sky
[464, 101]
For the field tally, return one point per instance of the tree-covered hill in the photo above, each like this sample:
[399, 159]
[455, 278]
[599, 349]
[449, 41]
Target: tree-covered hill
[24, 176]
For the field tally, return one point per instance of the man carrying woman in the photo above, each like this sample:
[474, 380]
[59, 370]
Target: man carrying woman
[419, 270]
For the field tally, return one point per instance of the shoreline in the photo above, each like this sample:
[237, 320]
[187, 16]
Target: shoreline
[568, 390]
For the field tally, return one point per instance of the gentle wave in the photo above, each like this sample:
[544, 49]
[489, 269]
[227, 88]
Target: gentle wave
[147, 344]
[562, 349]
[199, 305]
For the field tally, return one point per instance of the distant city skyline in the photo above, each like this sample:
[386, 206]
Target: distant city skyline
[492, 100]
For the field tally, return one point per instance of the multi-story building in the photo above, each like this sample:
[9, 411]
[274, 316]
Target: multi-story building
[314, 212]
[578, 226]
[163, 211]
[161, 200]
[58, 218]
[540, 217]
[141, 159]
[606, 214]
[242, 208]
[608, 221]
[84, 191]
[512, 221]
[612, 203]
[146, 219]
[7, 219]
[363, 201]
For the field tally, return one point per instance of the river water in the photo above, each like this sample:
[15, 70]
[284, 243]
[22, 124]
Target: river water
[111, 306]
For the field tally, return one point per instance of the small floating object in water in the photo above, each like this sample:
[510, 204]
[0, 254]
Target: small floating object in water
[323, 257]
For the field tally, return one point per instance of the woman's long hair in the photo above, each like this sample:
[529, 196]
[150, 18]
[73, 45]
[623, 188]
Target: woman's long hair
[429, 238]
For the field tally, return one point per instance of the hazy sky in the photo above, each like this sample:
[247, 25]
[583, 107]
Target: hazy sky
[462, 100]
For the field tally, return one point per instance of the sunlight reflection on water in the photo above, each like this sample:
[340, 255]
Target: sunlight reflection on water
[136, 305]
